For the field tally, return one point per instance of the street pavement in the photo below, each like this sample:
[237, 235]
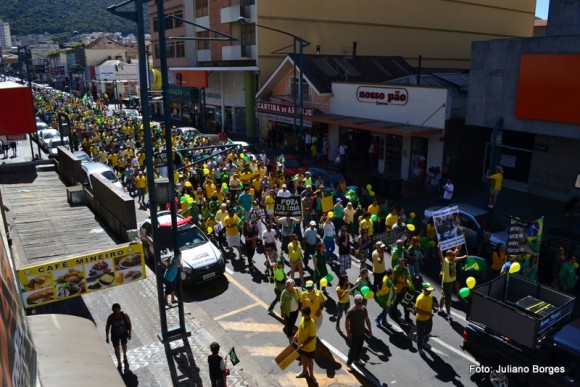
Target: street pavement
[233, 311]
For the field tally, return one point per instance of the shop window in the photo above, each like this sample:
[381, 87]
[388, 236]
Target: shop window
[176, 22]
[394, 147]
[228, 119]
[202, 44]
[179, 49]
[240, 119]
[294, 89]
[201, 8]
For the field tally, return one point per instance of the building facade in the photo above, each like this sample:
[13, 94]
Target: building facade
[5, 35]
[524, 91]
[236, 69]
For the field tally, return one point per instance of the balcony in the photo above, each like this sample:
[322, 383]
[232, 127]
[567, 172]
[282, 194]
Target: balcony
[203, 55]
[238, 52]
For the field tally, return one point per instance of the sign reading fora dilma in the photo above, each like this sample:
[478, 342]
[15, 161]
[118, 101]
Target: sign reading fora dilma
[288, 206]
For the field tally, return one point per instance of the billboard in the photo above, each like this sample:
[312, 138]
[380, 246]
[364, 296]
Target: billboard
[17, 109]
[71, 277]
[448, 228]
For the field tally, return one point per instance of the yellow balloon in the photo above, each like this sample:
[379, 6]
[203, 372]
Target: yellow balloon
[242, 155]
[331, 214]
[411, 227]
[370, 295]
[206, 171]
[470, 281]
[323, 282]
[412, 215]
[209, 230]
[515, 267]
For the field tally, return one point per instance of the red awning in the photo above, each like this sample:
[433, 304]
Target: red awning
[17, 111]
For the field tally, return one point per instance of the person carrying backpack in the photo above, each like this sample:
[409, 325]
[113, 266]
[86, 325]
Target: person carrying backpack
[119, 325]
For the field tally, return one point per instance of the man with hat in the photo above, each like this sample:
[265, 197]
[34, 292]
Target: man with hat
[289, 307]
[356, 318]
[314, 299]
[279, 283]
[424, 316]
[495, 185]
[310, 241]
[379, 268]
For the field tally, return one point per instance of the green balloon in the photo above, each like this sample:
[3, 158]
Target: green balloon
[329, 277]
[365, 290]
[374, 218]
[464, 292]
[183, 199]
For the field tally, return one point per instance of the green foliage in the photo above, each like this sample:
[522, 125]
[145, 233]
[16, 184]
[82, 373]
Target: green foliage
[64, 16]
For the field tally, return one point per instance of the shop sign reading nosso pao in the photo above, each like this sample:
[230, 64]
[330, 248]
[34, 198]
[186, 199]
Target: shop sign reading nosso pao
[382, 95]
[71, 277]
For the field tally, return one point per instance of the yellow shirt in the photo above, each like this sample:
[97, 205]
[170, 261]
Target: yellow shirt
[367, 223]
[345, 297]
[294, 252]
[424, 303]
[307, 329]
[140, 181]
[391, 220]
[385, 287]
[220, 216]
[374, 209]
[231, 225]
[449, 270]
[430, 231]
[348, 215]
[314, 300]
[496, 180]
[270, 202]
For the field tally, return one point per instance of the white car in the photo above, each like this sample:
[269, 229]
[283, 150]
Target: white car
[45, 136]
[92, 169]
[201, 260]
[188, 132]
[54, 143]
[247, 149]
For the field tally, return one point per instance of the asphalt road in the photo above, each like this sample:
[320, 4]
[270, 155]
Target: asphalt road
[239, 302]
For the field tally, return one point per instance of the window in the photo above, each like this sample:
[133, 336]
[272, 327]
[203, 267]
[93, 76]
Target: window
[155, 24]
[248, 2]
[179, 49]
[295, 89]
[202, 44]
[156, 51]
[170, 50]
[201, 8]
[168, 22]
[248, 35]
[178, 23]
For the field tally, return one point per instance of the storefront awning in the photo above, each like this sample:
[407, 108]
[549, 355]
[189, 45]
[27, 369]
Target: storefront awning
[375, 125]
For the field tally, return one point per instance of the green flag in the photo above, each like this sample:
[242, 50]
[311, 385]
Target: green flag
[233, 357]
[85, 97]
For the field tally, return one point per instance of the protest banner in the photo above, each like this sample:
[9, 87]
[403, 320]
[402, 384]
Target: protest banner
[524, 236]
[448, 228]
[389, 238]
[256, 214]
[327, 203]
[288, 206]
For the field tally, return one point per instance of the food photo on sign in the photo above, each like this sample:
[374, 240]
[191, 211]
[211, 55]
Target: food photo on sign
[448, 228]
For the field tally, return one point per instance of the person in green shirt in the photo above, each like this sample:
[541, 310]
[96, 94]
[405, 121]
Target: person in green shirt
[529, 268]
[568, 275]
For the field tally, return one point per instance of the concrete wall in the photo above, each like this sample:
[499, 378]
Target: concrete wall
[493, 83]
[564, 18]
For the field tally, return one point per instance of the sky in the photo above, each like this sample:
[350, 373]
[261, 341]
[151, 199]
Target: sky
[542, 8]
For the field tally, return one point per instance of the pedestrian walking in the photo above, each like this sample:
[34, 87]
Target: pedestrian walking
[217, 366]
[170, 278]
[279, 284]
[119, 327]
[449, 270]
[306, 340]
[448, 189]
[343, 298]
[314, 299]
[403, 284]
[385, 297]
[344, 249]
[310, 241]
[379, 268]
[424, 316]
[357, 317]
[495, 185]
[290, 307]
[319, 262]
[295, 256]
[140, 184]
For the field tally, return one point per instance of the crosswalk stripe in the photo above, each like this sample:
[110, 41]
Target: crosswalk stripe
[253, 326]
[239, 310]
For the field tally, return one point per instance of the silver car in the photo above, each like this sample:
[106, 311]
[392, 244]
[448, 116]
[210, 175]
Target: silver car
[92, 169]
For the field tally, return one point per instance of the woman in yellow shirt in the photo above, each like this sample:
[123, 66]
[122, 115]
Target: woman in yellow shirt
[343, 297]
[295, 255]
[497, 259]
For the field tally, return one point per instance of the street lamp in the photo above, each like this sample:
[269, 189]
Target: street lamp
[298, 108]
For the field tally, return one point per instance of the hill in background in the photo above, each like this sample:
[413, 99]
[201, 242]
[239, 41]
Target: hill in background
[57, 16]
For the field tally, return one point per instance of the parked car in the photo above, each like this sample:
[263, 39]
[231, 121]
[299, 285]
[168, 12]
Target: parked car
[292, 165]
[188, 132]
[247, 149]
[83, 157]
[475, 221]
[131, 113]
[92, 169]
[330, 179]
[45, 136]
[201, 260]
[53, 145]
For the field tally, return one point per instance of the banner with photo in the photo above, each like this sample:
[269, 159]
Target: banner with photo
[58, 280]
[524, 236]
[448, 228]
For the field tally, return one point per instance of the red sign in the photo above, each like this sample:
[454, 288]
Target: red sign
[17, 110]
[382, 95]
[279, 108]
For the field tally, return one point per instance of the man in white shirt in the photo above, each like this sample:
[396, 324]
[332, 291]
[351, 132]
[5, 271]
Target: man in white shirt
[284, 193]
[448, 189]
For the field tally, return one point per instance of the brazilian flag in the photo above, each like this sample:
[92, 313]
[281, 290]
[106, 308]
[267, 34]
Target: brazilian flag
[233, 357]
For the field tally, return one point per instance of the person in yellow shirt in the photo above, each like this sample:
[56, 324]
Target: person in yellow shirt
[140, 184]
[295, 256]
[374, 209]
[391, 219]
[306, 339]
[424, 316]
[314, 299]
[385, 296]
[496, 183]
[230, 223]
[367, 223]
[269, 202]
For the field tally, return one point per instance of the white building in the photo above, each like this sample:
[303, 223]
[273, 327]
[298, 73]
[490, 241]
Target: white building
[5, 35]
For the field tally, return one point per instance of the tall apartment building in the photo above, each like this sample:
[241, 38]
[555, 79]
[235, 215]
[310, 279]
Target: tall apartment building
[438, 31]
[5, 35]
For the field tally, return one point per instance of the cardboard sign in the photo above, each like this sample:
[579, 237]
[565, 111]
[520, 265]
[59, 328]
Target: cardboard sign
[524, 236]
[389, 238]
[287, 357]
[288, 206]
[448, 228]
[327, 204]
[256, 214]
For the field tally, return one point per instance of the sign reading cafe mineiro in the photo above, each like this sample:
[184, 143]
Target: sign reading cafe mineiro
[382, 95]
[279, 108]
